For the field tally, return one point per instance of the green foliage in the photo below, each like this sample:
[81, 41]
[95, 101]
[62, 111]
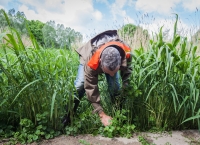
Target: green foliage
[6, 131]
[57, 36]
[84, 142]
[30, 132]
[3, 22]
[128, 29]
[74, 129]
[34, 81]
[16, 20]
[36, 29]
[49, 34]
[84, 121]
[119, 126]
[135, 36]
[167, 77]
[143, 141]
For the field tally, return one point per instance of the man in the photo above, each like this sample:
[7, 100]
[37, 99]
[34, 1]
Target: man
[105, 53]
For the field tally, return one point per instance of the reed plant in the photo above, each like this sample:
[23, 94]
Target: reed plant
[164, 87]
[34, 80]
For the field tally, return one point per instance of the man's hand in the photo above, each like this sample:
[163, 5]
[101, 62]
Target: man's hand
[105, 119]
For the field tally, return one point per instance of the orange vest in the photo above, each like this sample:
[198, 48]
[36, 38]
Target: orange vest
[94, 60]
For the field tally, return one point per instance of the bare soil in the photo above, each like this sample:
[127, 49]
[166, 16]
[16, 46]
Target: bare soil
[186, 137]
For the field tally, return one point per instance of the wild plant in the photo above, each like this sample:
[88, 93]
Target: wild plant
[34, 80]
[165, 83]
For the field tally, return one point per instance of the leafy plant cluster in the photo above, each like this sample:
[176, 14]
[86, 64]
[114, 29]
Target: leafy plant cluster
[36, 27]
[119, 126]
[6, 131]
[84, 122]
[30, 132]
[143, 140]
[84, 142]
[27, 131]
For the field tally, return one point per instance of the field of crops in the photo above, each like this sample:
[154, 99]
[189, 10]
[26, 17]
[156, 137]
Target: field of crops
[37, 83]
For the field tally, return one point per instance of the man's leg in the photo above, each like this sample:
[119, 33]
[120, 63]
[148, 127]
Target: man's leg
[113, 85]
[80, 91]
[79, 85]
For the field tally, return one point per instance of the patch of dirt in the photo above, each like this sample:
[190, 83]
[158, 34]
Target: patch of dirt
[87, 140]
[193, 135]
[186, 137]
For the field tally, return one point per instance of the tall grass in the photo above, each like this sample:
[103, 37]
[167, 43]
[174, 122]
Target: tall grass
[165, 84]
[34, 80]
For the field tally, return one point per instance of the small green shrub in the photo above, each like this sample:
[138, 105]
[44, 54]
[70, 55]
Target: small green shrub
[30, 132]
[142, 140]
[119, 126]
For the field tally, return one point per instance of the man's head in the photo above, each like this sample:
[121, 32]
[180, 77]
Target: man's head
[110, 60]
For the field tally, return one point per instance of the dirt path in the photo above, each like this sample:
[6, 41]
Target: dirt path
[187, 137]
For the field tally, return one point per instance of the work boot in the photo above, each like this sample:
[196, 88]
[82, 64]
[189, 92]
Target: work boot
[66, 120]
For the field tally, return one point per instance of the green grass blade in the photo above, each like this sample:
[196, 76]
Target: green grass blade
[6, 16]
[176, 41]
[175, 27]
[52, 104]
[153, 87]
[24, 89]
[191, 118]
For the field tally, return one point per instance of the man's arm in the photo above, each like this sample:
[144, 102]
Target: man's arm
[93, 95]
[91, 88]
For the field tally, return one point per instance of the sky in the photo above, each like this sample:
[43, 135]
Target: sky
[90, 17]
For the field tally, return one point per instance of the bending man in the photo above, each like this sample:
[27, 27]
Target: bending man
[105, 53]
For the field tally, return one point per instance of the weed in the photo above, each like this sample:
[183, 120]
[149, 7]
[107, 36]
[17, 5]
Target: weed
[167, 143]
[118, 127]
[30, 133]
[84, 142]
[144, 141]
